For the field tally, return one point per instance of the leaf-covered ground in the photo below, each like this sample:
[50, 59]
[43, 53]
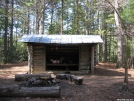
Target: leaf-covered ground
[105, 85]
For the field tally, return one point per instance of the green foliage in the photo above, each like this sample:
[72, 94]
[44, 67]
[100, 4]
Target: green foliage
[128, 47]
[127, 12]
[110, 19]
[16, 54]
[113, 50]
[1, 19]
[21, 52]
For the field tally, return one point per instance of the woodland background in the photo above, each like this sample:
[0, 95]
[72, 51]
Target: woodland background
[112, 19]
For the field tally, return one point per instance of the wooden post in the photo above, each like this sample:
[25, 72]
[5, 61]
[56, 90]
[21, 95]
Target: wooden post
[97, 55]
[79, 57]
[92, 60]
[29, 48]
[44, 65]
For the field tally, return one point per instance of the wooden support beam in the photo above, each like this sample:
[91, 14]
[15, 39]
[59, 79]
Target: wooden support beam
[44, 63]
[97, 54]
[92, 60]
[29, 49]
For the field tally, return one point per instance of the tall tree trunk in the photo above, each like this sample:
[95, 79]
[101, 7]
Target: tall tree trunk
[105, 49]
[42, 16]
[74, 19]
[11, 33]
[16, 34]
[62, 1]
[28, 21]
[67, 16]
[119, 52]
[90, 18]
[121, 39]
[51, 22]
[87, 18]
[110, 48]
[77, 16]
[104, 45]
[34, 26]
[37, 18]
[113, 53]
[6, 29]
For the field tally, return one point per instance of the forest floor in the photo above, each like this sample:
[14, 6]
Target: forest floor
[105, 85]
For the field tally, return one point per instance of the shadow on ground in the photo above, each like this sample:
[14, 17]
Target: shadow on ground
[107, 72]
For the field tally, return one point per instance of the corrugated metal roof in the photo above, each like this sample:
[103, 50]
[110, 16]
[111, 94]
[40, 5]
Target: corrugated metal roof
[61, 39]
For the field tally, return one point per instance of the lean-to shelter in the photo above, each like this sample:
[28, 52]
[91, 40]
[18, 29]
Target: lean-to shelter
[61, 52]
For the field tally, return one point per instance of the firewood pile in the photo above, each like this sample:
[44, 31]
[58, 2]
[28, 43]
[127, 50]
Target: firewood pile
[40, 85]
[32, 85]
[46, 81]
[40, 82]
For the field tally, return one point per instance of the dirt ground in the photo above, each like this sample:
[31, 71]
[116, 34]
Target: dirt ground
[105, 85]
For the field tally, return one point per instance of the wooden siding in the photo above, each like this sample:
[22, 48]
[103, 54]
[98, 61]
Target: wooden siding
[84, 57]
[38, 59]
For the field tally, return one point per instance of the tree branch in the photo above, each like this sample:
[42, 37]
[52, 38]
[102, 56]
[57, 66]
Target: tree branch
[122, 24]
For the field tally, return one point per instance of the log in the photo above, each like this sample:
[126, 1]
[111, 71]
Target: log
[70, 77]
[17, 91]
[63, 76]
[76, 79]
[22, 77]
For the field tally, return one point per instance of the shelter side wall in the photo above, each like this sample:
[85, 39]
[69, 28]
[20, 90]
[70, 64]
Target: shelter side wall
[84, 57]
[38, 59]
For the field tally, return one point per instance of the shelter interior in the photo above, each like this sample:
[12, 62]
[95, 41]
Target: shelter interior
[62, 57]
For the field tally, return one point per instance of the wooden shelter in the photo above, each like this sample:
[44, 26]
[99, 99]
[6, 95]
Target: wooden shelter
[61, 52]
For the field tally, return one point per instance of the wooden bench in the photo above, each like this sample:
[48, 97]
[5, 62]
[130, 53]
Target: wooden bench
[60, 65]
[56, 64]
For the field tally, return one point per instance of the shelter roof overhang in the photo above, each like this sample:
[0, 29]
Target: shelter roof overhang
[61, 39]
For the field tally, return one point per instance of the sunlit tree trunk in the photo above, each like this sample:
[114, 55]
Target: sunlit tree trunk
[28, 21]
[37, 18]
[87, 17]
[51, 22]
[119, 37]
[90, 18]
[74, 19]
[121, 45]
[62, 1]
[77, 17]
[42, 16]
[67, 16]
